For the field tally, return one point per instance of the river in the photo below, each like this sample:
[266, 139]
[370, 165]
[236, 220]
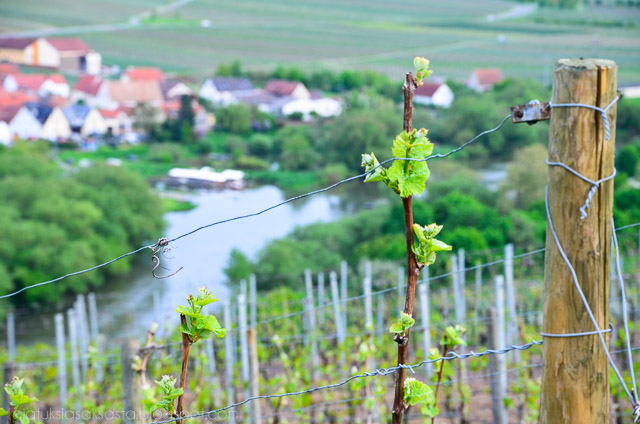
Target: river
[126, 304]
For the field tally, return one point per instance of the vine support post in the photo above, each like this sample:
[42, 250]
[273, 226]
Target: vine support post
[497, 389]
[408, 89]
[11, 336]
[62, 363]
[229, 359]
[131, 389]
[575, 371]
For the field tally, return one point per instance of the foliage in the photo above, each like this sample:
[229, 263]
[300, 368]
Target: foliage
[55, 224]
[405, 322]
[239, 267]
[526, 178]
[18, 400]
[404, 177]
[235, 118]
[426, 246]
[627, 159]
[169, 395]
[422, 69]
[198, 325]
[453, 337]
[416, 392]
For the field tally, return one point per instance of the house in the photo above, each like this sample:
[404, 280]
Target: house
[87, 89]
[15, 98]
[434, 94]
[55, 85]
[22, 123]
[223, 91]
[484, 79]
[43, 85]
[117, 121]
[8, 68]
[174, 89]
[325, 107]
[203, 121]
[85, 120]
[69, 54]
[5, 134]
[132, 93]
[284, 88]
[55, 125]
[12, 49]
[142, 74]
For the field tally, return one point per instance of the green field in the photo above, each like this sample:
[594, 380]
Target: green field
[373, 34]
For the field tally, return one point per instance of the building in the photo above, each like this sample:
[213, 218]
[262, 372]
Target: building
[283, 88]
[433, 94]
[85, 120]
[484, 79]
[117, 121]
[132, 93]
[68, 54]
[22, 123]
[87, 90]
[142, 74]
[174, 89]
[324, 107]
[223, 91]
[5, 134]
[12, 49]
[55, 125]
[43, 85]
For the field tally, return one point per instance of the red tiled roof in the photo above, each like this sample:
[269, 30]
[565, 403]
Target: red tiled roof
[56, 101]
[144, 74]
[9, 68]
[135, 91]
[89, 84]
[16, 98]
[15, 43]
[427, 89]
[107, 113]
[30, 82]
[489, 76]
[281, 87]
[69, 45]
[57, 78]
[8, 112]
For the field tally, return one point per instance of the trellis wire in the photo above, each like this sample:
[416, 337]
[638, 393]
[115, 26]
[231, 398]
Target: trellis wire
[311, 193]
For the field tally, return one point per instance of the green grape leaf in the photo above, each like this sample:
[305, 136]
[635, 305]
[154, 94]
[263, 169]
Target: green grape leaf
[21, 416]
[187, 311]
[416, 391]
[422, 69]
[369, 162]
[203, 297]
[453, 337]
[3, 412]
[405, 322]
[21, 399]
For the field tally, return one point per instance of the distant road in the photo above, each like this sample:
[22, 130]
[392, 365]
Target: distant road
[514, 12]
[133, 22]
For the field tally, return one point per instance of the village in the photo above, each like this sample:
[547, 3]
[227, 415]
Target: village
[38, 100]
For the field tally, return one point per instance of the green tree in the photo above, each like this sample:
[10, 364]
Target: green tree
[526, 178]
[627, 160]
[235, 118]
[239, 267]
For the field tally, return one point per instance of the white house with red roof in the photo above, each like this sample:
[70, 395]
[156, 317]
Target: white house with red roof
[22, 123]
[5, 133]
[484, 79]
[69, 54]
[433, 94]
[88, 89]
[43, 85]
[284, 88]
[117, 121]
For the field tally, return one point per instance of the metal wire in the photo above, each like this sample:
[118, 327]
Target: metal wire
[311, 193]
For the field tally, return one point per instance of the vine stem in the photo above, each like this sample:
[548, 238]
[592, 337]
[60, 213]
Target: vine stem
[440, 373]
[412, 267]
[186, 345]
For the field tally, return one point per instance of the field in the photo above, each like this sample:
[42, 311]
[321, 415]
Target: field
[311, 34]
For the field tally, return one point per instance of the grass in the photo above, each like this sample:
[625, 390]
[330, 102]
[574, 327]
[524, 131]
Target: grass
[175, 205]
[372, 34]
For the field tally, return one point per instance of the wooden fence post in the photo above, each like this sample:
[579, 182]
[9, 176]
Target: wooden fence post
[479, 310]
[497, 390]
[311, 319]
[335, 297]
[575, 371]
[344, 293]
[513, 328]
[499, 329]
[11, 336]
[62, 363]
[73, 344]
[229, 359]
[423, 293]
[368, 305]
[131, 388]
[321, 300]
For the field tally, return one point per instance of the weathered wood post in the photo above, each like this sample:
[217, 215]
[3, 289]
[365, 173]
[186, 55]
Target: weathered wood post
[131, 388]
[11, 336]
[62, 363]
[575, 372]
